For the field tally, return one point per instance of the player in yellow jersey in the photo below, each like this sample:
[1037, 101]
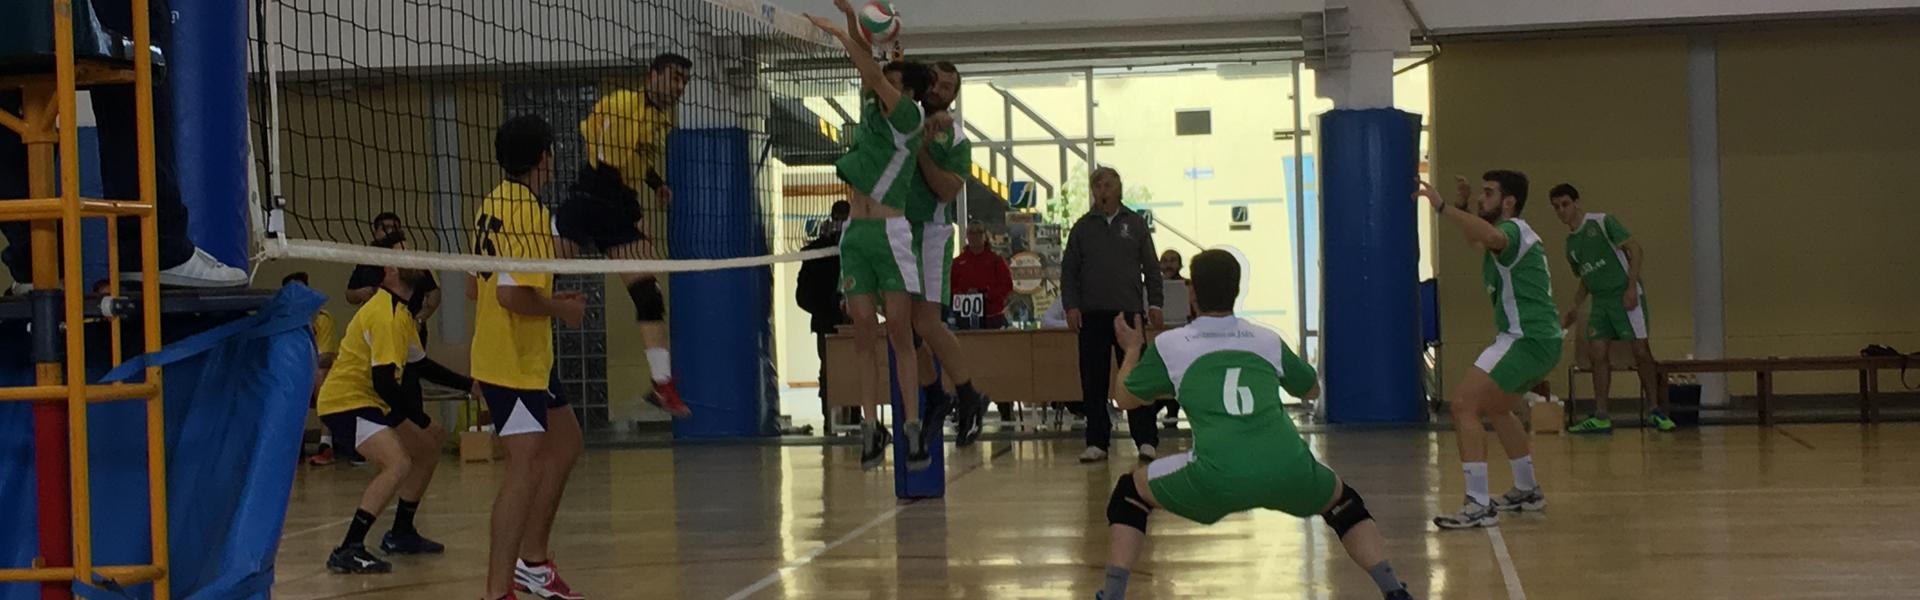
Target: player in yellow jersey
[626, 138]
[513, 365]
[371, 402]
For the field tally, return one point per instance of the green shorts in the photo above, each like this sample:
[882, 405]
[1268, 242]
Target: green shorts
[876, 256]
[1516, 363]
[1204, 495]
[1610, 320]
[933, 253]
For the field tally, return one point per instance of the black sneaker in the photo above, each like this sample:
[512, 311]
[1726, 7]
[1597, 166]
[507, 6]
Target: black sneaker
[409, 543]
[1400, 594]
[356, 560]
[973, 411]
[918, 459]
[939, 406]
[873, 450]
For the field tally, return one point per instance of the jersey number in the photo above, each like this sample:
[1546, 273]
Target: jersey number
[483, 245]
[1239, 399]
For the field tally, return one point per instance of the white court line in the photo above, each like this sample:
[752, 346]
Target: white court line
[1514, 591]
[321, 527]
[815, 553]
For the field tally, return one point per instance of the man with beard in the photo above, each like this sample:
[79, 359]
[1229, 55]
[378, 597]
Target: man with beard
[1527, 347]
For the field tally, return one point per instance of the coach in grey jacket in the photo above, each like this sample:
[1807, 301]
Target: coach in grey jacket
[1110, 270]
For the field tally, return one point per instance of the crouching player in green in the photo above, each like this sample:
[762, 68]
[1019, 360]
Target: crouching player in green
[1227, 373]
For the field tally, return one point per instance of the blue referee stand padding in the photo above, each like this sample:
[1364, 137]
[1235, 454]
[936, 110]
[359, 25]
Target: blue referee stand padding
[1370, 254]
[928, 483]
[719, 320]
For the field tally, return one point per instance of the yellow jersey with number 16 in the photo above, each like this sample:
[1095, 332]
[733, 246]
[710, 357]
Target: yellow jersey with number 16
[509, 349]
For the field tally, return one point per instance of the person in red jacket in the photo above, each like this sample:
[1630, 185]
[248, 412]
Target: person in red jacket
[979, 271]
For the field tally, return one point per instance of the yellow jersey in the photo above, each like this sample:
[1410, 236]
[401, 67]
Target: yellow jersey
[326, 339]
[382, 332]
[627, 133]
[512, 350]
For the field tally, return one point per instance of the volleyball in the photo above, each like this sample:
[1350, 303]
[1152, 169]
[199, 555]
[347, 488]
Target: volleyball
[879, 23]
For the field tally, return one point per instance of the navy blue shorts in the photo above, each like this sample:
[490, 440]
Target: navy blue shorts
[517, 411]
[358, 424]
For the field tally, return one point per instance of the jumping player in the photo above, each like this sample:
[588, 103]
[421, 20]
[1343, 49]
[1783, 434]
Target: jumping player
[1228, 374]
[370, 406]
[876, 257]
[513, 366]
[945, 161]
[626, 136]
[1514, 265]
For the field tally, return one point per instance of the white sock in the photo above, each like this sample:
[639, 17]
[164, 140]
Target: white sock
[1523, 473]
[1477, 482]
[661, 363]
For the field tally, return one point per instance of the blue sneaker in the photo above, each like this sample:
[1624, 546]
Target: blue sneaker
[409, 543]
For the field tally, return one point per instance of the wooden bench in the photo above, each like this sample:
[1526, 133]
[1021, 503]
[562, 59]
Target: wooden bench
[1763, 368]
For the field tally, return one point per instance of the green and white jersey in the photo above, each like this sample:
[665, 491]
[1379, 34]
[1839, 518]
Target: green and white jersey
[1594, 252]
[880, 163]
[1228, 374]
[1519, 284]
[954, 153]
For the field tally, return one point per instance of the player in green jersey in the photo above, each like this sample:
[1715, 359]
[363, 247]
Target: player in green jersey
[946, 160]
[1527, 347]
[1608, 260]
[876, 257]
[1228, 374]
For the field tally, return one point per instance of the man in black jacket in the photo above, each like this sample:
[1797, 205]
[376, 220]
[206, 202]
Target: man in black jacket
[1110, 267]
[818, 293]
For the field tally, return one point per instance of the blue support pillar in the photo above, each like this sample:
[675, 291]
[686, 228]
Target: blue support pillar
[720, 319]
[207, 70]
[1370, 263]
[927, 483]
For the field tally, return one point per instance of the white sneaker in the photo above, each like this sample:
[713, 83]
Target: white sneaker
[200, 271]
[1148, 452]
[1093, 455]
[18, 289]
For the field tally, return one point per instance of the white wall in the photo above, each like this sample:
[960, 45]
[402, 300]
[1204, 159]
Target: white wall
[1479, 16]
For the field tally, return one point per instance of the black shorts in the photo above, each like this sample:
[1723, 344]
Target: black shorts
[600, 212]
[357, 425]
[517, 411]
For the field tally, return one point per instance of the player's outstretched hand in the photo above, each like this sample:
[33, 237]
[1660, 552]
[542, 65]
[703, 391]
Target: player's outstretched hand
[844, 6]
[1127, 334]
[1425, 192]
[823, 24]
[570, 308]
[1463, 189]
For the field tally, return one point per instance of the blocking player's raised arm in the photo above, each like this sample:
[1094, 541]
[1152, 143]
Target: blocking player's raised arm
[872, 78]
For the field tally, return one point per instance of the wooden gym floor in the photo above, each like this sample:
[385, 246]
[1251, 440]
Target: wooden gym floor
[1795, 511]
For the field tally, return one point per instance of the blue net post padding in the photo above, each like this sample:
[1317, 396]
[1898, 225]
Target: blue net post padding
[928, 483]
[1369, 159]
[207, 70]
[236, 401]
[720, 320]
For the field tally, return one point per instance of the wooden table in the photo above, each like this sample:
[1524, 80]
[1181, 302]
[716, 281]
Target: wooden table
[1033, 366]
[1764, 368]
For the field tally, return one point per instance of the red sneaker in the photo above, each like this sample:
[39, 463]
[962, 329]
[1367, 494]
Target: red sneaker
[322, 458]
[667, 397]
[543, 581]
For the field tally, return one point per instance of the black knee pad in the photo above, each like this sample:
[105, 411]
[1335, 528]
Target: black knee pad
[1127, 507]
[648, 304]
[1349, 512]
